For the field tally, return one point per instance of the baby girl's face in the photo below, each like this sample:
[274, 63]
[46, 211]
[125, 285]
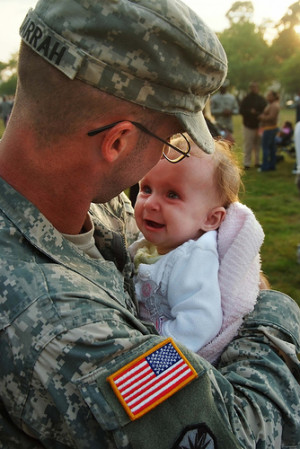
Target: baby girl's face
[175, 200]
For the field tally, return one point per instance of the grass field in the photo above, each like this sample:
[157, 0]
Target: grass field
[275, 200]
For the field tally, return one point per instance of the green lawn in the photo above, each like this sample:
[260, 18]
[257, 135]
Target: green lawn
[274, 198]
[276, 202]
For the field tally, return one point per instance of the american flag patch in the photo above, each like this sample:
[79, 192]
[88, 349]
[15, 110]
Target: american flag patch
[151, 378]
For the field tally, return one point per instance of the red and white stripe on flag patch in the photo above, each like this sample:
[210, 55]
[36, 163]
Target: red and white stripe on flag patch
[151, 378]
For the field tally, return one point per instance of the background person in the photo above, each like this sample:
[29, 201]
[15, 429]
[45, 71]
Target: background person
[69, 329]
[5, 109]
[251, 107]
[269, 124]
[285, 134]
[223, 106]
[297, 150]
[297, 106]
[185, 213]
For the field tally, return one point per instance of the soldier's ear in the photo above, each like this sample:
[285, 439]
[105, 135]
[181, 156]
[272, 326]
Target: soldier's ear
[118, 141]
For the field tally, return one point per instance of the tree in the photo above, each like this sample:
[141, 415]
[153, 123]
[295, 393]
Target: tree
[250, 57]
[291, 18]
[285, 45]
[8, 76]
[247, 53]
[288, 73]
[286, 49]
[287, 41]
[241, 11]
[9, 87]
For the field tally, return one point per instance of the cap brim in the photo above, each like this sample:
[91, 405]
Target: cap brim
[195, 125]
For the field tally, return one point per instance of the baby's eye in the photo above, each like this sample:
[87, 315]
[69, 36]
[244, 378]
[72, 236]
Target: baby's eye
[146, 189]
[173, 195]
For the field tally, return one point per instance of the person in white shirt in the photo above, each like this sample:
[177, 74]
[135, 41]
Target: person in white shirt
[297, 148]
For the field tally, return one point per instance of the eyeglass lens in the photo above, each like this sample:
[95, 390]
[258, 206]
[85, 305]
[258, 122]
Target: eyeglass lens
[171, 152]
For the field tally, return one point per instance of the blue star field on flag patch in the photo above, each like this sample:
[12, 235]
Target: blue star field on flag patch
[163, 358]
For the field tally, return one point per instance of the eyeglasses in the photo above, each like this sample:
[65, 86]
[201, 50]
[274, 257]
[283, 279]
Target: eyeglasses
[170, 152]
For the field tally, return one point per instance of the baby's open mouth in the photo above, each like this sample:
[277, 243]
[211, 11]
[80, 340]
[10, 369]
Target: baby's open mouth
[154, 224]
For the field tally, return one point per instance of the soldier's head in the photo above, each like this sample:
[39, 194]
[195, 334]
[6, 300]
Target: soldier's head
[157, 55]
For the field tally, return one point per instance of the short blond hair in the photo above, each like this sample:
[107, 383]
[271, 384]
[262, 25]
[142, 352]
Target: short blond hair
[227, 173]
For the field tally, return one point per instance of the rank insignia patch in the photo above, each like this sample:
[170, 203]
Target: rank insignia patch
[151, 378]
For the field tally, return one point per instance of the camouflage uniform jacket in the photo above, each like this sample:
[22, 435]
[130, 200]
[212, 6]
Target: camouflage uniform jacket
[68, 322]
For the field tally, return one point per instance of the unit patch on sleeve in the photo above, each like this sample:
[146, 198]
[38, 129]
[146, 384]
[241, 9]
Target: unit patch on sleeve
[196, 437]
[151, 378]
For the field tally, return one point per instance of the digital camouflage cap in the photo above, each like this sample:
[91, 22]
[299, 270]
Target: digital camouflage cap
[156, 53]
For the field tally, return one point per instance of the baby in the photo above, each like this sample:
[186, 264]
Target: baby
[179, 210]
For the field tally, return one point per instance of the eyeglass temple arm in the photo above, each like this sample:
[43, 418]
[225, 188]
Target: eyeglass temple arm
[103, 128]
[142, 128]
[145, 130]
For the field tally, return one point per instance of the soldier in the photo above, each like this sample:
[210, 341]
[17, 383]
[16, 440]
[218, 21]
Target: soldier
[102, 85]
[223, 106]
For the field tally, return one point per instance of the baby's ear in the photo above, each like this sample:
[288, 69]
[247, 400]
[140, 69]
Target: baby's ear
[214, 218]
